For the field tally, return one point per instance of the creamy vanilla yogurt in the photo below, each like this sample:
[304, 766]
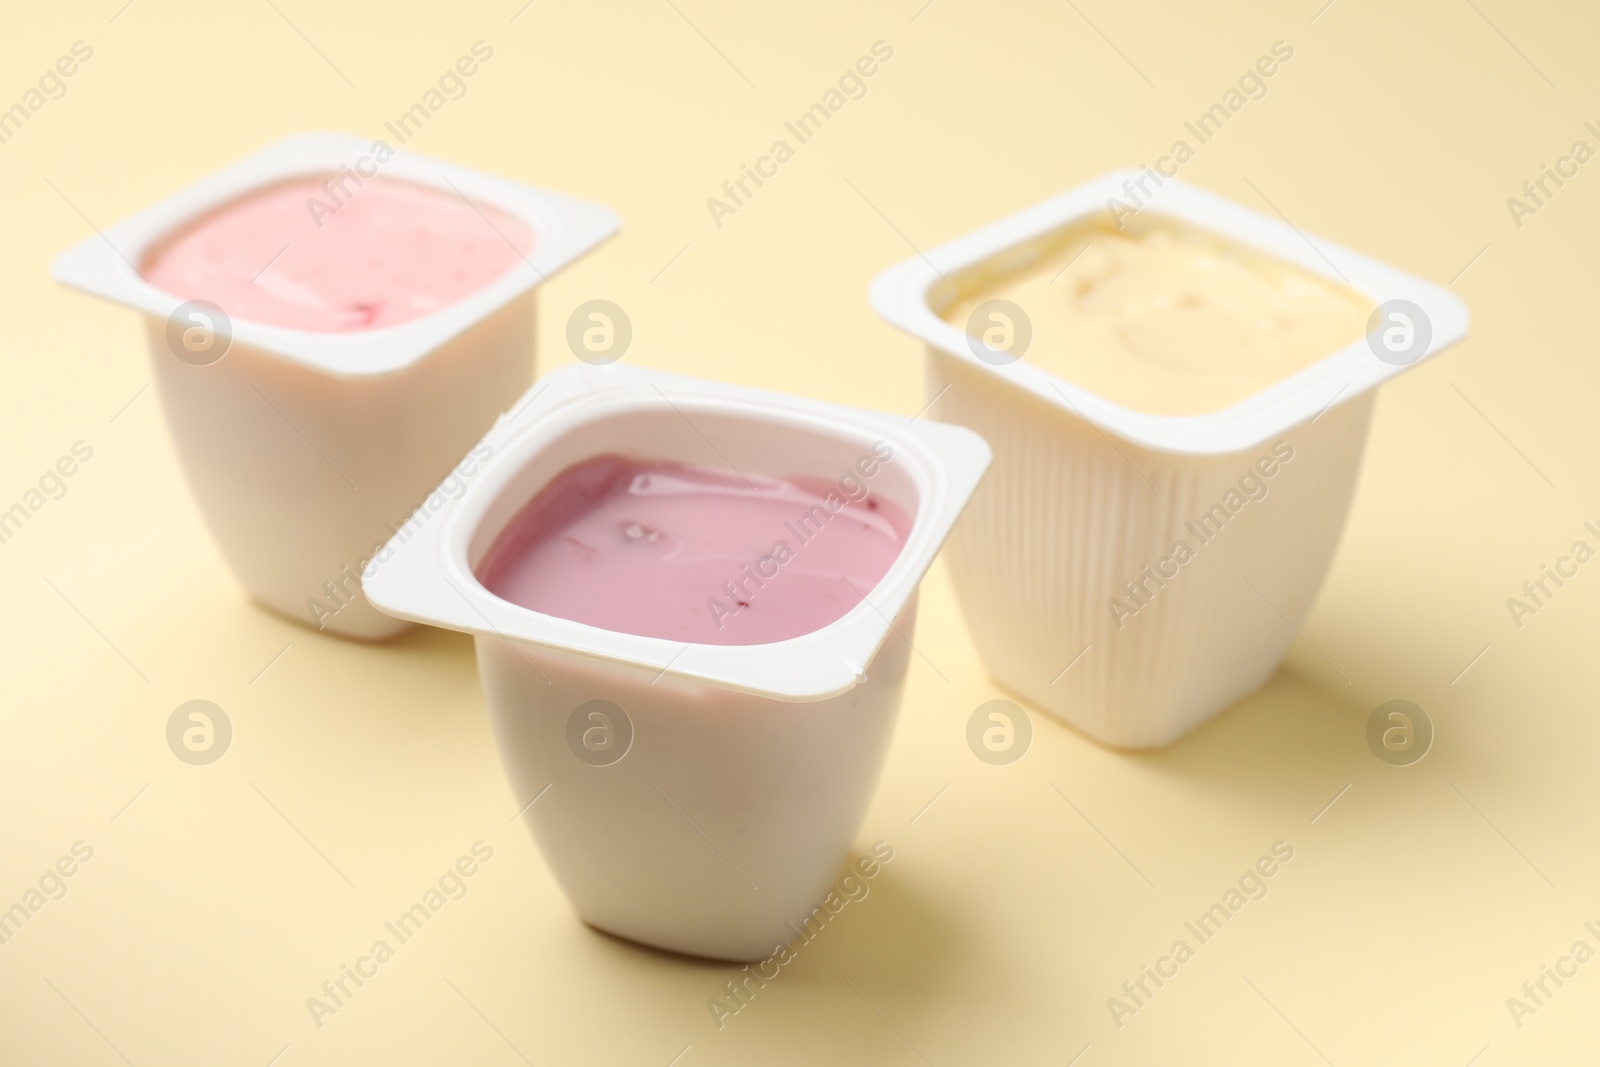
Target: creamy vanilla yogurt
[1164, 318]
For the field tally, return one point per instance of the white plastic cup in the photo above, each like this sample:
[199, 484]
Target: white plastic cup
[728, 781]
[1085, 493]
[305, 450]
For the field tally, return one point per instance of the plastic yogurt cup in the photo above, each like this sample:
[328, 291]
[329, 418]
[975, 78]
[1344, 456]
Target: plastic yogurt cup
[692, 796]
[310, 431]
[1136, 565]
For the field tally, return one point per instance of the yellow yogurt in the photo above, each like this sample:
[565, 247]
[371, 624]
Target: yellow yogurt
[1165, 318]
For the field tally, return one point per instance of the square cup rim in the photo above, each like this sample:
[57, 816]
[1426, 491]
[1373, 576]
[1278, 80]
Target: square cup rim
[428, 578]
[104, 263]
[899, 294]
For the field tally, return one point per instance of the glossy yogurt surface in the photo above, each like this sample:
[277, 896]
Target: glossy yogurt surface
[300, 256]
[694, 553]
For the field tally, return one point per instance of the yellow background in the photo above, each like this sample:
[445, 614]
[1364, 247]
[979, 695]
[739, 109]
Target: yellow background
[1413, 907]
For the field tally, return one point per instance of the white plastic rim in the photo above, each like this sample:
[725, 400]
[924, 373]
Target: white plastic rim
[900, 294]
[427, 575]
[564, 228]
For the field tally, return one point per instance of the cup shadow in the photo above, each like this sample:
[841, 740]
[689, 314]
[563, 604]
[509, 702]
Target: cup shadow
[892, 944]
[1268, 746]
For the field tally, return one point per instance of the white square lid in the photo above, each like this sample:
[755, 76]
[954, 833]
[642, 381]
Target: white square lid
[900, 294]
[564, 229]
[428, 577]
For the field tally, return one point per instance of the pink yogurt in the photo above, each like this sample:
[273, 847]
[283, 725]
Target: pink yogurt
[301, 256]
[694, 553]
